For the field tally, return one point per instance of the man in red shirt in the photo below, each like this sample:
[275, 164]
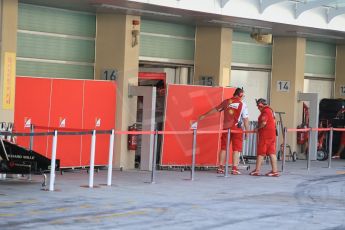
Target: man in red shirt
[235, 113]
[266, 138]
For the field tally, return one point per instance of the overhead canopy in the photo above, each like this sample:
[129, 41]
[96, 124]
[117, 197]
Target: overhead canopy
[332, 8]
[313, 19]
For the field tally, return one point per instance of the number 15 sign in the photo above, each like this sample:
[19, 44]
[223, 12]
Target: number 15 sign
[342, 90]
[283, 86]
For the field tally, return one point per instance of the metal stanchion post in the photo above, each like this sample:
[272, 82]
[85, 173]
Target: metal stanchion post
[226, 172]
[110, 158]
[154, 158]
[193, 155]
[284, 149]
[92, 158]
[31, 144]
[52, 163]
[278, 137]
[309, 150]
[330, 147]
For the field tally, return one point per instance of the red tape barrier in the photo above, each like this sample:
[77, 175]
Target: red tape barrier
[312, 129]
[298, 130]
[239, 131]
[339, 129]
[135, 132]
[61, 128]
[321, 129]
[146, 132]
[175, 132]
[210, 132]
[185, 132]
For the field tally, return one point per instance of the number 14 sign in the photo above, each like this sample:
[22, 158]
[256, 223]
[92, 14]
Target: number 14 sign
[283, 86]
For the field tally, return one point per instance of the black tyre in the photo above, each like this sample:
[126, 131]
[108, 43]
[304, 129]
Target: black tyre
[294, 156]
[279, 155]
[326, 156]
[321, 155]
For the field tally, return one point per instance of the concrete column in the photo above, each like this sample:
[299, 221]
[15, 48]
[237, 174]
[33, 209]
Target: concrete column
[288, 65]
[340, 72]
[183, 75]
[115, 50]
[213, 55]
[8, 36]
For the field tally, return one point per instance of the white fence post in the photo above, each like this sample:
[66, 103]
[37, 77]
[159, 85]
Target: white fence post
[52, 164]
[92, 158]
[330, 147]
[110, 163]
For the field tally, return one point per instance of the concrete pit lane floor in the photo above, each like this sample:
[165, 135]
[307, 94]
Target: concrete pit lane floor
[298, 199]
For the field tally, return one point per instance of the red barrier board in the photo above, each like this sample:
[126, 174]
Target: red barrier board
[184, 104]
[66, 112]
[71, 104]
[32, 103]
[99, 116]
[228, 92]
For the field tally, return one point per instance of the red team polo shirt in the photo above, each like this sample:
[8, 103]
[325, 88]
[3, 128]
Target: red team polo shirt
[232, 112]
[269, 131]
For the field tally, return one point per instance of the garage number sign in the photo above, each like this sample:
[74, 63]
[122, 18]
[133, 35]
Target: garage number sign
[342, 90]
[109, 74]
[283, 86]
[207, 80]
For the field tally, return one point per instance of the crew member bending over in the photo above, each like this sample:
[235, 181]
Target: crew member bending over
[266, 139]
[235, 114]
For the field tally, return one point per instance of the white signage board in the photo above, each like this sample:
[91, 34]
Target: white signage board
[283, 86]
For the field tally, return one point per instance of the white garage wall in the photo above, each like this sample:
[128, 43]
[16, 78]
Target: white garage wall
[323, 87]
[255, 84]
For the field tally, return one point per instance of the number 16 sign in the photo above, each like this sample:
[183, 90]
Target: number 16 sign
[283, 86]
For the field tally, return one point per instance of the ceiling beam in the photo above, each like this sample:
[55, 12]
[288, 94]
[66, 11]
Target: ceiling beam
[267, 3]
[334, 12]
[222, 3]
[305, 6]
